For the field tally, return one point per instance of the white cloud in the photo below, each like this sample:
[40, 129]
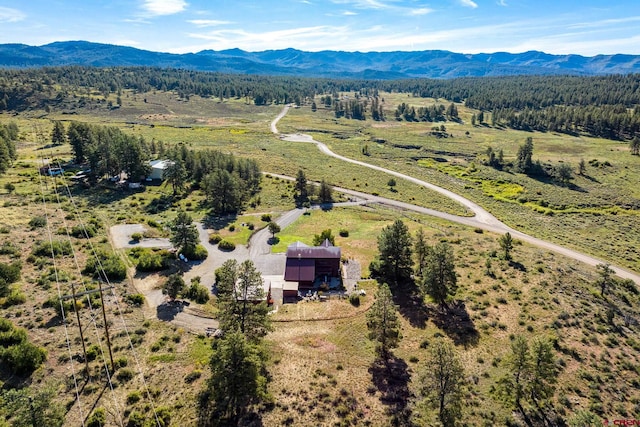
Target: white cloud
[304, 38]
[208, 22]
[604, 22]
[364, 4]
[348, 13]
[468, 3]
[164, 7]
[421, 11]
[11, 15]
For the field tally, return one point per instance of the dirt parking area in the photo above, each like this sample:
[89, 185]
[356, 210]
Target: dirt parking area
[121, 237]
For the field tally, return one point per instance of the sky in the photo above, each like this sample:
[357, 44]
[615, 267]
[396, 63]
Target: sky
[585, 27]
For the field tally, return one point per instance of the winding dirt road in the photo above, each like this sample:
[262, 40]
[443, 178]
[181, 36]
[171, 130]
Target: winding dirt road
[481, 219]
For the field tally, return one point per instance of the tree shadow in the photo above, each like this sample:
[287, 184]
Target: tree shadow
[210, 416]
[517, 266]
[457, 324]
[167, 311]
[218, 222]
[573, 187]
[411, 305]
[391, 377]
[273, 240]
[590, 178]
[99, 194]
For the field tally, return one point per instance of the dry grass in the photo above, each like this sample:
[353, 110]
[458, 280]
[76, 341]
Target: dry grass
[322, 370]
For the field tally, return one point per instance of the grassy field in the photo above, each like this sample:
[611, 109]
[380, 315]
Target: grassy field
[317, 367]
[594, 213]
[322, 371]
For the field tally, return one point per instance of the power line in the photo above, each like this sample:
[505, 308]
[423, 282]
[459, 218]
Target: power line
[116, 300]
[108, 374]
[64, 321]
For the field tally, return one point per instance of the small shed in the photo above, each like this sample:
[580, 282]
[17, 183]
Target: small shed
[282, 291]
[157, 169]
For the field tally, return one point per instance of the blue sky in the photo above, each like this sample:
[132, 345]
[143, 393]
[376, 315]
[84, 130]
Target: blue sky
[586, 27]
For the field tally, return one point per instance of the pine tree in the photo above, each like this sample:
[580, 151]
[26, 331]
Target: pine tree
[383, 324]
[184, 234]
[443, 381]
[524, 162]
[242, 305]
[395, 254]
[237, 381]
[439, 278]
[58, 135]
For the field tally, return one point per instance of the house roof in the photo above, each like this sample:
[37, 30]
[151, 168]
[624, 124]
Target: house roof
[160, 164]
[300, 270]
[301, 251]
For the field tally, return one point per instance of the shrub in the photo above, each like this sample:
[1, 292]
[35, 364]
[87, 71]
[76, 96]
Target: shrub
[124, 375]
[135, 299]
[343, 232]
[81, 232]
[15, 297]
[232, 227]
[226, 245]
[151, 259]
[121, 362]
[37, 222]
[354, 299]
[198, 293]
[111, 264]
[9, 273]
[97, 419]
[214, 239]
[136, 237]
[23, 358]
[136, 419]
[92, 352]
[266, 217]
[198, 253]
[10, 248]
[192, 376]
[133, 397]
[250, 226]
[58, 247]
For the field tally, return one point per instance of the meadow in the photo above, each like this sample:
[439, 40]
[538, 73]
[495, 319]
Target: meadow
[322, 371]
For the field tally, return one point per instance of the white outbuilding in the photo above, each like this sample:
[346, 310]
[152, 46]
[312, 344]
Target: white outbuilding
[157, 168]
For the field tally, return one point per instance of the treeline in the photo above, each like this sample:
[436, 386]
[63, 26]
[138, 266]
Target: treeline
[604, 106]
[608, 121]
[108, 150]
[433, 113]
[228, 182]
[8, 137]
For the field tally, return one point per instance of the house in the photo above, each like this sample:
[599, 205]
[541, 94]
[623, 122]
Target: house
[157, 169]
[311, 266]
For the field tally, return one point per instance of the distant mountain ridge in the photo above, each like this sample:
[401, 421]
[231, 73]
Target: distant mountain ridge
[332, 64]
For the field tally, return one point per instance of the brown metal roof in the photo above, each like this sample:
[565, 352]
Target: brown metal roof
[301, 251]
[300, 270]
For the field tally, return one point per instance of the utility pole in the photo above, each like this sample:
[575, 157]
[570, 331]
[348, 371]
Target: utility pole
[106, 326]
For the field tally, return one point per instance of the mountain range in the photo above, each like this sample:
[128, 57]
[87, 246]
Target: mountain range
[331, 64]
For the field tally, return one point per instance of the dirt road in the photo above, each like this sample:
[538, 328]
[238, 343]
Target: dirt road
[481, 219]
